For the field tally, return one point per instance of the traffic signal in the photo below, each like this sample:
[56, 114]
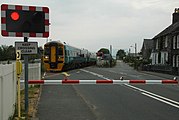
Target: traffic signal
[25, 21]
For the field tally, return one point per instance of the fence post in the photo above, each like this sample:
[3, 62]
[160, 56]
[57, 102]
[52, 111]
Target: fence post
[39, 70]
[14, 83]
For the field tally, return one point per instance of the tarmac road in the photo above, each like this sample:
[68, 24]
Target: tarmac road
[109, 102]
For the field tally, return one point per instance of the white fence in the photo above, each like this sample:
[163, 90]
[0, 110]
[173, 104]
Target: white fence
[8, 86]
[7, 90]
[34, 71]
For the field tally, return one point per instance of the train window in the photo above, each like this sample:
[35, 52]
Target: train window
[60, 51]
[67, 52]
[47, 51]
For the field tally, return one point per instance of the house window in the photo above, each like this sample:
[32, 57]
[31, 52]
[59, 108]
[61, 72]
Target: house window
[162, 60]
[177, 61]
[173, 60]
[177, 41]
[166, 41]
[174, 41]
[164, 57]
[155, 58]
[157, 43]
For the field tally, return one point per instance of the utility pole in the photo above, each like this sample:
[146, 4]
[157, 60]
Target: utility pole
[129, 52]
[135, 49]
[111, 50]
[110, 61]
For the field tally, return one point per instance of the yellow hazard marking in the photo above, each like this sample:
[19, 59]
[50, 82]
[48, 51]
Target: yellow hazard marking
[65, 74]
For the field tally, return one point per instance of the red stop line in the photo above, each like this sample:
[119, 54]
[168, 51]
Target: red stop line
[61, 82]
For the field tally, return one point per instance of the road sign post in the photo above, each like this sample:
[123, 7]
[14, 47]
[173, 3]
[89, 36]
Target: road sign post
[26, 81]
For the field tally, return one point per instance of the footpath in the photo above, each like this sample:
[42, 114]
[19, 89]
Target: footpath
[166, 76]
[162, 75]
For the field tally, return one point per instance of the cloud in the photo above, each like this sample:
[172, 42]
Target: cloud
[93, 24]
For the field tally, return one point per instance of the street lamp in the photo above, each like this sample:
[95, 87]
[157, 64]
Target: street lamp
[135, 47]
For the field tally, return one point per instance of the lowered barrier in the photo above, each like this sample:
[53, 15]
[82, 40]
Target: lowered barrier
[61, 82]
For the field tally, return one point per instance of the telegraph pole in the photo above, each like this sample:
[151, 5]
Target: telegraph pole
[110, 61]
[135, 49]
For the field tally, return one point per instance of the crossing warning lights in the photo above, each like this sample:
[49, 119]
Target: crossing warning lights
[24, 21]
[15, 16]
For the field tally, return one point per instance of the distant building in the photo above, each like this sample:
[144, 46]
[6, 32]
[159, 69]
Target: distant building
[147, 48]
[166, 47]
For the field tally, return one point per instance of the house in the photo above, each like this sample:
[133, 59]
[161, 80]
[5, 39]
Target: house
[147, 48]
[166, 47]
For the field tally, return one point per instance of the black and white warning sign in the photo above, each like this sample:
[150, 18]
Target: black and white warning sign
[27, 47]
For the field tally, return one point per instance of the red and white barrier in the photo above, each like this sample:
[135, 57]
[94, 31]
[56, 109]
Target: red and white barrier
[102, 82]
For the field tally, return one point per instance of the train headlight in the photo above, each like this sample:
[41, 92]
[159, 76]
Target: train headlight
[60, 57]
[46, 57]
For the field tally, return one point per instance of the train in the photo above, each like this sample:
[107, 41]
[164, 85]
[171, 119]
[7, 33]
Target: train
[59, 57]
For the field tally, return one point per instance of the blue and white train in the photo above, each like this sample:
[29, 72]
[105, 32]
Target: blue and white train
[62, 57]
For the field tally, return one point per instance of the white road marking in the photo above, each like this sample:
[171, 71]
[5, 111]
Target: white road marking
[161, 100]
[95, 74]
[143, 92]
[152, 94]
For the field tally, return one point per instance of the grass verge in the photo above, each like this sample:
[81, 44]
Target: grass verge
[33, 95]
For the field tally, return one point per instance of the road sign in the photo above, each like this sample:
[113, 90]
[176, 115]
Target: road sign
[18, 54]
[24, 21]
[27, 47]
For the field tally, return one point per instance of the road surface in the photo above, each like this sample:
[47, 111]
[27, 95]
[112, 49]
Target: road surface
[109, 102]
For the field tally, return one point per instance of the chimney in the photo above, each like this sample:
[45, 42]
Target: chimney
[176, 16]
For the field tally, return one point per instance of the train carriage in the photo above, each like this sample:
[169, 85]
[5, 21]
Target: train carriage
[60, 57]
[54, 56]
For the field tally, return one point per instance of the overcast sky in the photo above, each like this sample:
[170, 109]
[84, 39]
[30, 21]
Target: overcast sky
[93, 24]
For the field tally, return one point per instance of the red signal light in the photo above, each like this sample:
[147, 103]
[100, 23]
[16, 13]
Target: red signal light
[15, 16]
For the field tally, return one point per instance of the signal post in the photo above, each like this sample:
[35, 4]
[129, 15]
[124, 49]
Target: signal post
[26, 22]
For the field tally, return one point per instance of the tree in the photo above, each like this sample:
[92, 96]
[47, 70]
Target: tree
[121, 54]
[7, 52]
[11, 53]
[104, 50]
